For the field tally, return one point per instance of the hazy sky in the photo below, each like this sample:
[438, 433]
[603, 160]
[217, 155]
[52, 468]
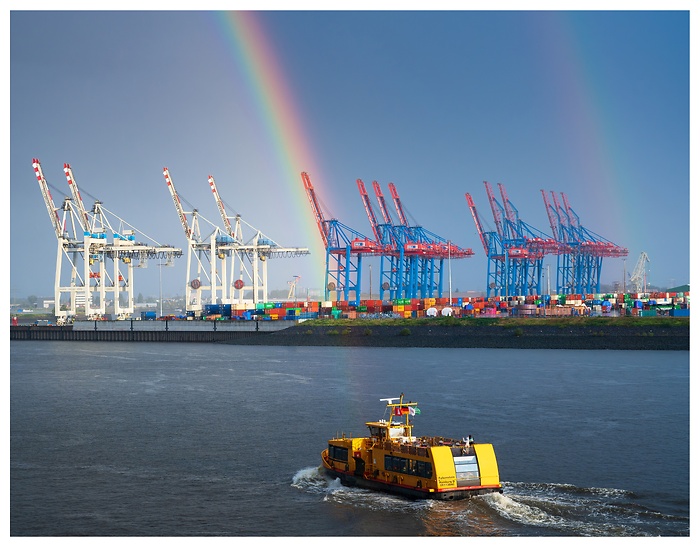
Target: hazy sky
[592, 104]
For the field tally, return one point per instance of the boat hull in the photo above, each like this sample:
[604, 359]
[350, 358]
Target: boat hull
[353, 480]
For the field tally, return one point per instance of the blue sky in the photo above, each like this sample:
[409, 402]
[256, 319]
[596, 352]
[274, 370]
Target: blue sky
[592, 104]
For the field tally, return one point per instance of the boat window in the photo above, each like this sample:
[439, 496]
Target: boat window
[408, 466]
[375, 431]
[337, 453]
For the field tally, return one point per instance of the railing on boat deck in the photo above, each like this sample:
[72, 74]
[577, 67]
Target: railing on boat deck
[420, 447]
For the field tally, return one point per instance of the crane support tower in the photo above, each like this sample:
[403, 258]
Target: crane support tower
[87, 241]
[345, 249]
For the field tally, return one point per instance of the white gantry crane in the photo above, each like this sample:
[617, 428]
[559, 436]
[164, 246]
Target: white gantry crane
[87, 241]
[199, 250]
[638, 277]
[236, 266]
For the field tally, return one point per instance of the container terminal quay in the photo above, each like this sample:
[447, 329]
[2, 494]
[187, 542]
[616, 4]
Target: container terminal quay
[657, 321]
[226, 284]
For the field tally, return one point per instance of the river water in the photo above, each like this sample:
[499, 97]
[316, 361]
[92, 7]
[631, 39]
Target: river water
[165, 439]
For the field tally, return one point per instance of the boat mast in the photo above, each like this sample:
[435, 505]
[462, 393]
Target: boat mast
[400, 405]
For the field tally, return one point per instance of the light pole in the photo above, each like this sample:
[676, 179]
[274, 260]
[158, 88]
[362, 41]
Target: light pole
[449, 269]
[160, 286]
[370, 282]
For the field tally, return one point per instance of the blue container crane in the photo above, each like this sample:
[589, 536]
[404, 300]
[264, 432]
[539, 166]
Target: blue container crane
[431, 251]
[345, 249]
[394, 263]
[527, 247]
[578, 269]
[519, 271]
[495, 254]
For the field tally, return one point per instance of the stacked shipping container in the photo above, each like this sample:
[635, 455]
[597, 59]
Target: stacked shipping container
[524, 306]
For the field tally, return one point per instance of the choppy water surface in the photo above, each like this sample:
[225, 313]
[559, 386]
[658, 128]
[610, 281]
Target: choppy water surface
[141, 439]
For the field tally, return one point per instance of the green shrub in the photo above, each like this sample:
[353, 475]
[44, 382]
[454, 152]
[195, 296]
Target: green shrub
[367, 332]
[333, 332]
[405, 332]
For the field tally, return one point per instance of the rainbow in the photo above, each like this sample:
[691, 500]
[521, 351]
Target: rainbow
[247, 42]
[584, 107]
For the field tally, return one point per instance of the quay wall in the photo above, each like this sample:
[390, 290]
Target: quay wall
[148, 331]
[536, 336]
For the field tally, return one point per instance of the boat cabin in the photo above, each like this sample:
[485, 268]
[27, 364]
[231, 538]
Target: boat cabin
[390, 431]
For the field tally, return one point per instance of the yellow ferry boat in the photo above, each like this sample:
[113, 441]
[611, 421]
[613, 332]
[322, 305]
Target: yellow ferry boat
[392, 460]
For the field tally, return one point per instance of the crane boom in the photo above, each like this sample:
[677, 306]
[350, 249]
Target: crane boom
[178, 205]
[368, 208]
[397, 204]
[497, 218]
[574, 221]
[382, 202]
[511, 214]
[48, 200]
[553, 222]
[477, 222]
[318, 213]
[563, 214]
[77, 198]
[220, 205]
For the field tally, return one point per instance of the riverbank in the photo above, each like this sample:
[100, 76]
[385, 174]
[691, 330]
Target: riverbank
[622, 334]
